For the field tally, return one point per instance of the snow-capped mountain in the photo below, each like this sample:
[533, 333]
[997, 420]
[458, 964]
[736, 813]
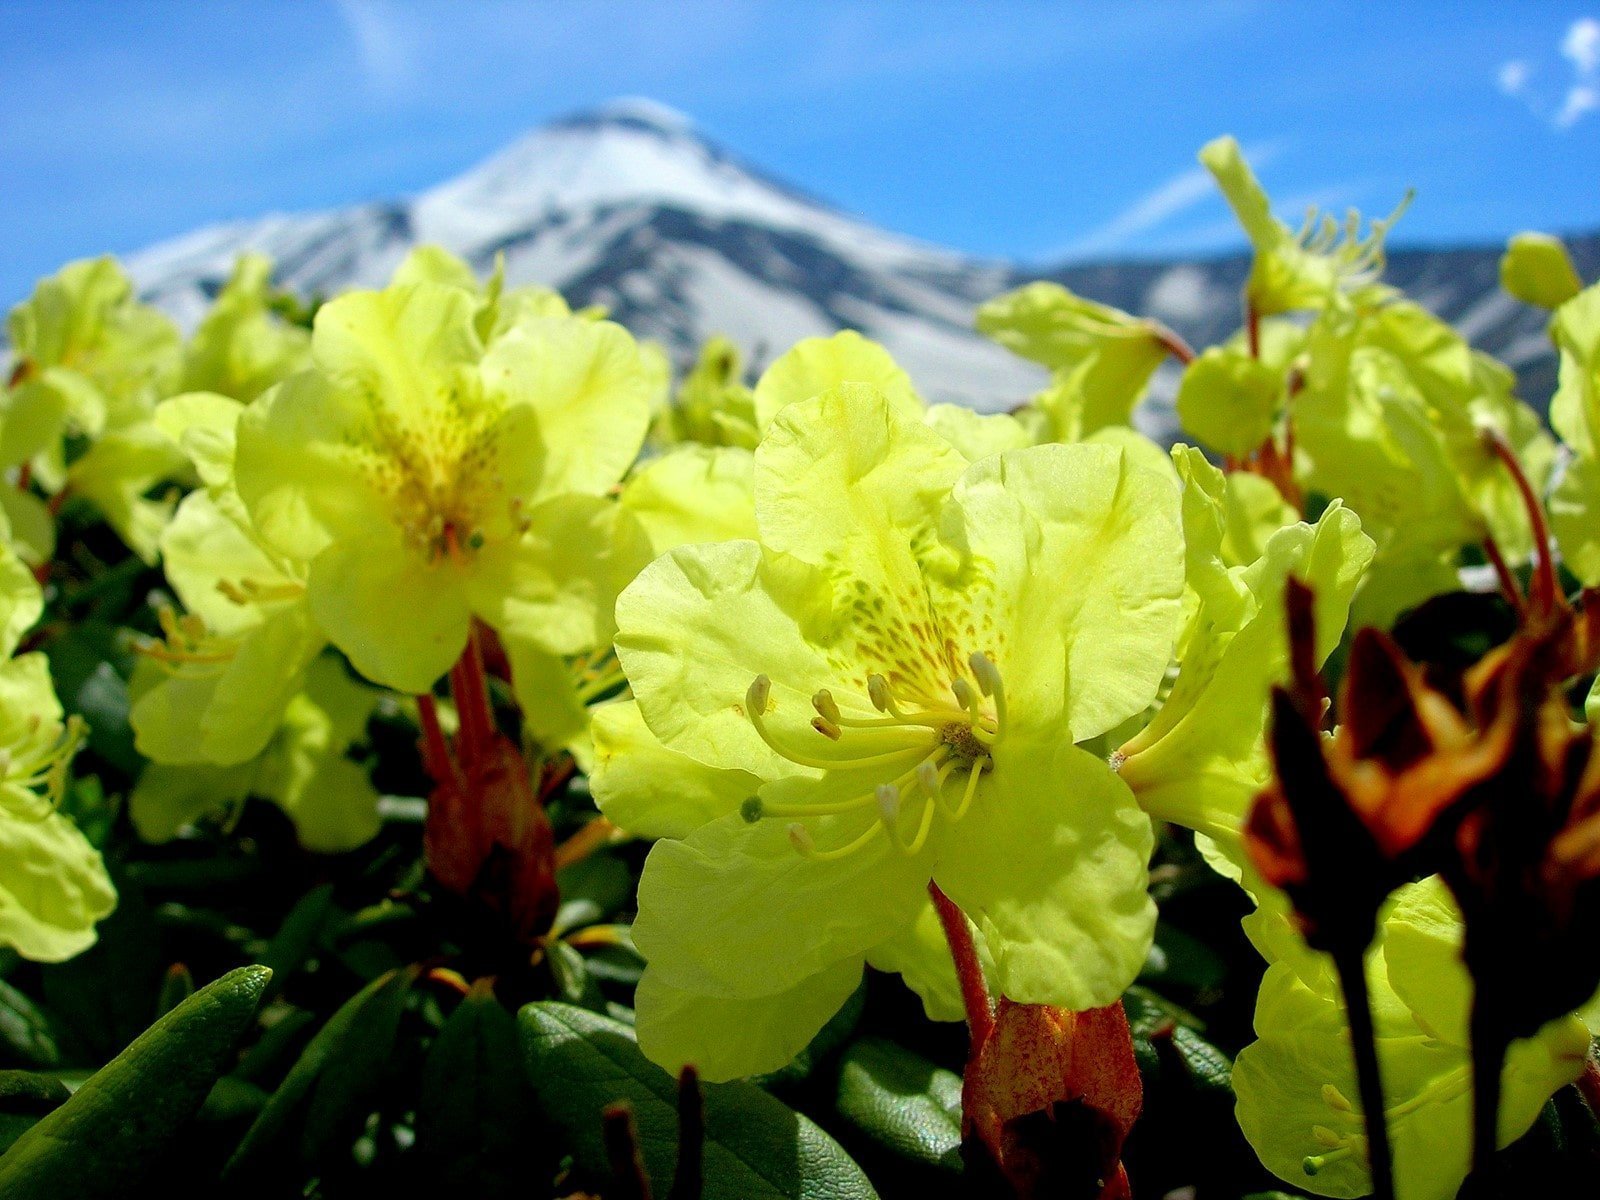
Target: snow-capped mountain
[630, 207]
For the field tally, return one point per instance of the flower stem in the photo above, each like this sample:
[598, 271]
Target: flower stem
[1545, 589]
[435, 750]
[585, 842]
[1589, 1085]
[1509, 587]
[1172, 341]
[470, 688]
[688, 1178]
[1369, 1076]
[620, 1136]
[1489, 1047]
[969, 971]
[1252, 326]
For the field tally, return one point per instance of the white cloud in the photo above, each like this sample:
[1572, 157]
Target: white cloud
[1582, 45]
[1513, 76]
[385, 42]
[1581, 98]
[1175, 195]
[1564, 105]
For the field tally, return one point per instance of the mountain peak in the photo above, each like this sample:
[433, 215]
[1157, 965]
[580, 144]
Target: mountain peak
[633, 112]
[624, 153]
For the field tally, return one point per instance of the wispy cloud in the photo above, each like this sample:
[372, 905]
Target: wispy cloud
[386, 43]
[1574, 97]
[1171, 198]
[1513, 76]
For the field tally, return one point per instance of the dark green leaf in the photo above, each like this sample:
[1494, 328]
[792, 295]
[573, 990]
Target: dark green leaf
[476, 1128]
[1208, 1067]
[26, 1031]
[118, 1125]
[903, 1102]
[756, 1148]
[332, 1083]
[592, 889]
[177, 987]
[573, 982]
[90, 665]
[25, 1098]
[619, 964]
[297, 937]
[105, 996]
[1181, 960]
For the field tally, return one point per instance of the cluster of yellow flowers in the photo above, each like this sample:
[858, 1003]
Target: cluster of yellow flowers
[838, 650]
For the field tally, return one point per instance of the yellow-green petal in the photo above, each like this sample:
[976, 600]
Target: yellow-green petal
[53, 883]
[590, 389]
[1229, 401]
[728, 1038]
[651, 791]
[696, 628]
[1051, 866]
[735, 911]
[401, 621]
[692, 494]
[848, 481]
[556, 585]
[1082, 555]
[1537, 270]
[816, 365]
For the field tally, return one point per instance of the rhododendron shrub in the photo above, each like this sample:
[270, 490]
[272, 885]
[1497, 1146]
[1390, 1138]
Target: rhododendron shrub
[642, 776]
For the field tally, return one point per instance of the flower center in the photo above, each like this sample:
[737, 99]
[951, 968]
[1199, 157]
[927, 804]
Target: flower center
[921, 743]
[441, 472]
[187, 642]
[1338, 1145]
[44, 766]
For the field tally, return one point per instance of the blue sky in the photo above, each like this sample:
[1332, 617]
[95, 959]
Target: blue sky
[1029, 130]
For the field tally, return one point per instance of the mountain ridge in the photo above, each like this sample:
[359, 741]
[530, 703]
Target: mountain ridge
[628, 205]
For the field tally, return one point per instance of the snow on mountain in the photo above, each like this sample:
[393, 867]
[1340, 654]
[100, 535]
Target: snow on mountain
[630, 207]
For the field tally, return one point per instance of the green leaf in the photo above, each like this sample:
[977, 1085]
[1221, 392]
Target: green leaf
[756, 1148]
[26, 1031]
[1209, 1068]
[90, 665]
[1182, 960]
[25, 1098]
[476, 1129]
[573, 981]
[333, 1082]
[592, 889]
[176, 987]
[118, 1125]
[903, 1102]
[297, 936]
[104, 996]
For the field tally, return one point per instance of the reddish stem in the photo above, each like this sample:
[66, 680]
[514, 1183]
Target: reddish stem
[24, 476]
[1509, 587]
[470, 688]
[585, 842]
[435, 750]
[1174, 344]
[969, 971]
[1589, 1086]
[1252, 327]
[554, 777]
[1545, 590]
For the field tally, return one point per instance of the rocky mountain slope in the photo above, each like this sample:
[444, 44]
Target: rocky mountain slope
[630, 207]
